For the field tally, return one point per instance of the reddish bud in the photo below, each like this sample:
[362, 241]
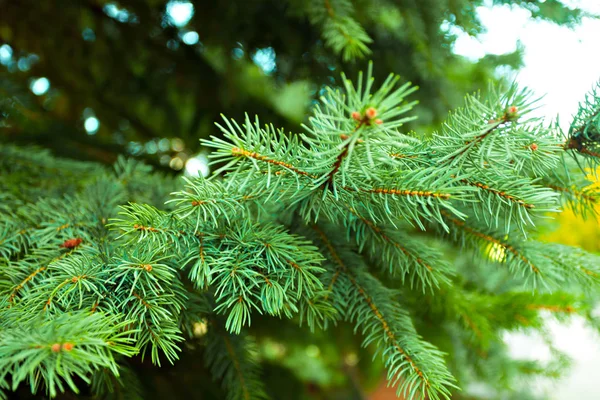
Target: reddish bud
[71, 243]
[371, 112]
[378, 121]
[147, 267]
[55, 347]
[533, 146]
[512, 109]
[68, 346]
[356, 116]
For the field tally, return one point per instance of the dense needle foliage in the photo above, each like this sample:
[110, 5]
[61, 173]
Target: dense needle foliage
[423, 246]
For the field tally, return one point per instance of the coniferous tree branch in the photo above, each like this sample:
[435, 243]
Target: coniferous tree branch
[385, 206]
[583, 137]
[415, 366]
[232, 360]
[53, 352]
[541, 263]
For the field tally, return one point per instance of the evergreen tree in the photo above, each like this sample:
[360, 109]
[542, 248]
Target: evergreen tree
[419, 248]
[146, 75]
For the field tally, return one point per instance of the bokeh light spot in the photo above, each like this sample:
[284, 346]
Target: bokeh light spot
[113, 11]
[172, 44]
[177, 144]
[190, 38]
[164, 159]
[88, 35]
[265, 59]
[40, 86]
[180, 12]
[5, 54]
[237, 53]
[91, 125]
[197, 166]
[151, 147]
[176, 163]
[164, 144]
[351, 359]
[23, 64]
[312, 351]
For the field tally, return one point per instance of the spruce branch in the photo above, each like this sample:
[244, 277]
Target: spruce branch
[543, 264]
[508, 202]
[340, 30]
[583, 137]
[103, 256]
[414, 365]
[494, 132]
[577, 191]
[400, 254]
[232, 359]
[53, 352]
[127, 386]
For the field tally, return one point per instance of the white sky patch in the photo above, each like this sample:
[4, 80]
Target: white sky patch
[563, 64]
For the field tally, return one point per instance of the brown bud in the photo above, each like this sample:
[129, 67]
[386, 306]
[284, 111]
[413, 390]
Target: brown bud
[371, 112]
[71, 243]
[356, 116]
[378, 121]
[533, 146]
[68, 346]
[55, 347]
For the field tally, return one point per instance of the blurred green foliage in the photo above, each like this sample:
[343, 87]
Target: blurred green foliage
[152, 69]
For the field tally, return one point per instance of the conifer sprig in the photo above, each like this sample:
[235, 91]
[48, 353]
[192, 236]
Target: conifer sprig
[108, 270]
[415, 366]
[52, 353]
[583, 137]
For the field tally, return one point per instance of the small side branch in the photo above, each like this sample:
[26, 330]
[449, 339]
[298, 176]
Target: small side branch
[563, 309]
[577, 145]
[385, 325]
[236, 151]
[490, 239]
[33, 274]
[342, 155]
[141, 299]
[397, 192]
[574, 192]
[236, 366]
[499, 193]
[377, 230]
[495, 124]
[23, 283]
[340, 264]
